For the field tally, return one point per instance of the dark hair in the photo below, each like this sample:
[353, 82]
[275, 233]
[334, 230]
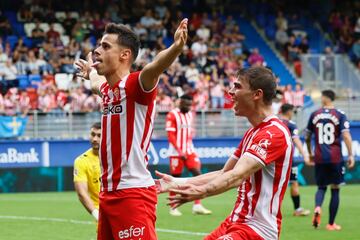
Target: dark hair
[96, 125]
[186, 97]
[260, 78]
[286, 107]
[126, 37]
[329, 94]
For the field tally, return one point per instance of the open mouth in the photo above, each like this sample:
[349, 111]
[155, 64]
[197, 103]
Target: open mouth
[97, 62]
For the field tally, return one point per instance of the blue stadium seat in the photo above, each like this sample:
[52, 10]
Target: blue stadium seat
[261, 20]
[93, 40]
[270, 20]
[270, 32]
[19, 29]
[34, 80]
[11, 16]
[12, 40]
[28, 42]
[23, 81]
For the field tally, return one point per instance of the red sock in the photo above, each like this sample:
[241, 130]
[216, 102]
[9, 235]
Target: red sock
[197, 201]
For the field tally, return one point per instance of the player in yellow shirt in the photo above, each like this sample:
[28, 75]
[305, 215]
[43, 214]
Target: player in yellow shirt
[87, 173]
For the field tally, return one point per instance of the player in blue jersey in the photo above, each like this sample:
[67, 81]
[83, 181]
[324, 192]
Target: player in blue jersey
[329, 125]
[286, 114]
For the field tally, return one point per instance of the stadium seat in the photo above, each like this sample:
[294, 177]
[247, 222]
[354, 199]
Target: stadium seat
[58, 27]
[62, 80]
[260, 20]
[19, 29]
[11, 16]
[65, 39]
[28, 27]
[12, 40]
[270, 32]
[93, 40]
[23, 81]
[35, 80]
[45, 27]
[60, 16]
[74, 15]
[28, 42]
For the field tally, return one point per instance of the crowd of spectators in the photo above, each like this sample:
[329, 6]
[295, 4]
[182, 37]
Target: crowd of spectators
[343, 26]
[51, 40]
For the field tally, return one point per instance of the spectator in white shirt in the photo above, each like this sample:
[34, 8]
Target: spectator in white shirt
[192, 74]
[148, 20]
[9, 71]
[199, 48]
[203, 32]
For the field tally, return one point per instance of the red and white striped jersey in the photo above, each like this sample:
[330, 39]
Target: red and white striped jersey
[260, 196]
[181, 125]
[127, 123]
[298, 98]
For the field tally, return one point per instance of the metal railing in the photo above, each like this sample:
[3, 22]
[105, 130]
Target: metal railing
[334, 71]
[63, 125]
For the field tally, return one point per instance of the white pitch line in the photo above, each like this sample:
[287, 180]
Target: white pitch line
[90, 223]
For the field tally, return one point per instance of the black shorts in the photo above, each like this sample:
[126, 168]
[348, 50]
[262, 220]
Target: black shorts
[294, 174]
[329, 173]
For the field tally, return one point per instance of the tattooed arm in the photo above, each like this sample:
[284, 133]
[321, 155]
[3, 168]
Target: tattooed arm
[244, 168]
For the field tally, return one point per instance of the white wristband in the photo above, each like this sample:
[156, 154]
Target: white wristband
[180, 180]
[95, 214]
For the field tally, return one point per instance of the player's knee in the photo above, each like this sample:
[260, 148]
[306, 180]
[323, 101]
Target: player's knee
[335, 186]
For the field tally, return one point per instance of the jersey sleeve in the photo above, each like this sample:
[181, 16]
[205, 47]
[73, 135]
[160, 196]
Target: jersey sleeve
[79, 171]
[142, 96]
[344, 123]
[265, 148]
[170, 122]
[237, 153]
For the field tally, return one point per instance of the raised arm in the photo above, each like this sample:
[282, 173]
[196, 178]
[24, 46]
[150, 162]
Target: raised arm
[87, 72]
[151, 72]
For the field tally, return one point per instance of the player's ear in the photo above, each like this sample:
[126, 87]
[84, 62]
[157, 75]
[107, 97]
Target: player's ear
[125, 54]
[258, 94]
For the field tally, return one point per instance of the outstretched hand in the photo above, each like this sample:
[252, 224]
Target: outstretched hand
[181, 34]
[186, 193]
[164, 183]
[84, 66]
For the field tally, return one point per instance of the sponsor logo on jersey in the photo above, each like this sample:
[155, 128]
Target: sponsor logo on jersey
[112, 109]
[131, 232]
[259, 150]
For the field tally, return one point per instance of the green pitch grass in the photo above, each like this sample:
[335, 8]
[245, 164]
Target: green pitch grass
[59, 216]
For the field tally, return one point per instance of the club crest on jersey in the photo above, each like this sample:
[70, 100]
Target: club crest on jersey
[264, 143]
[112, 109]
[116, 94]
